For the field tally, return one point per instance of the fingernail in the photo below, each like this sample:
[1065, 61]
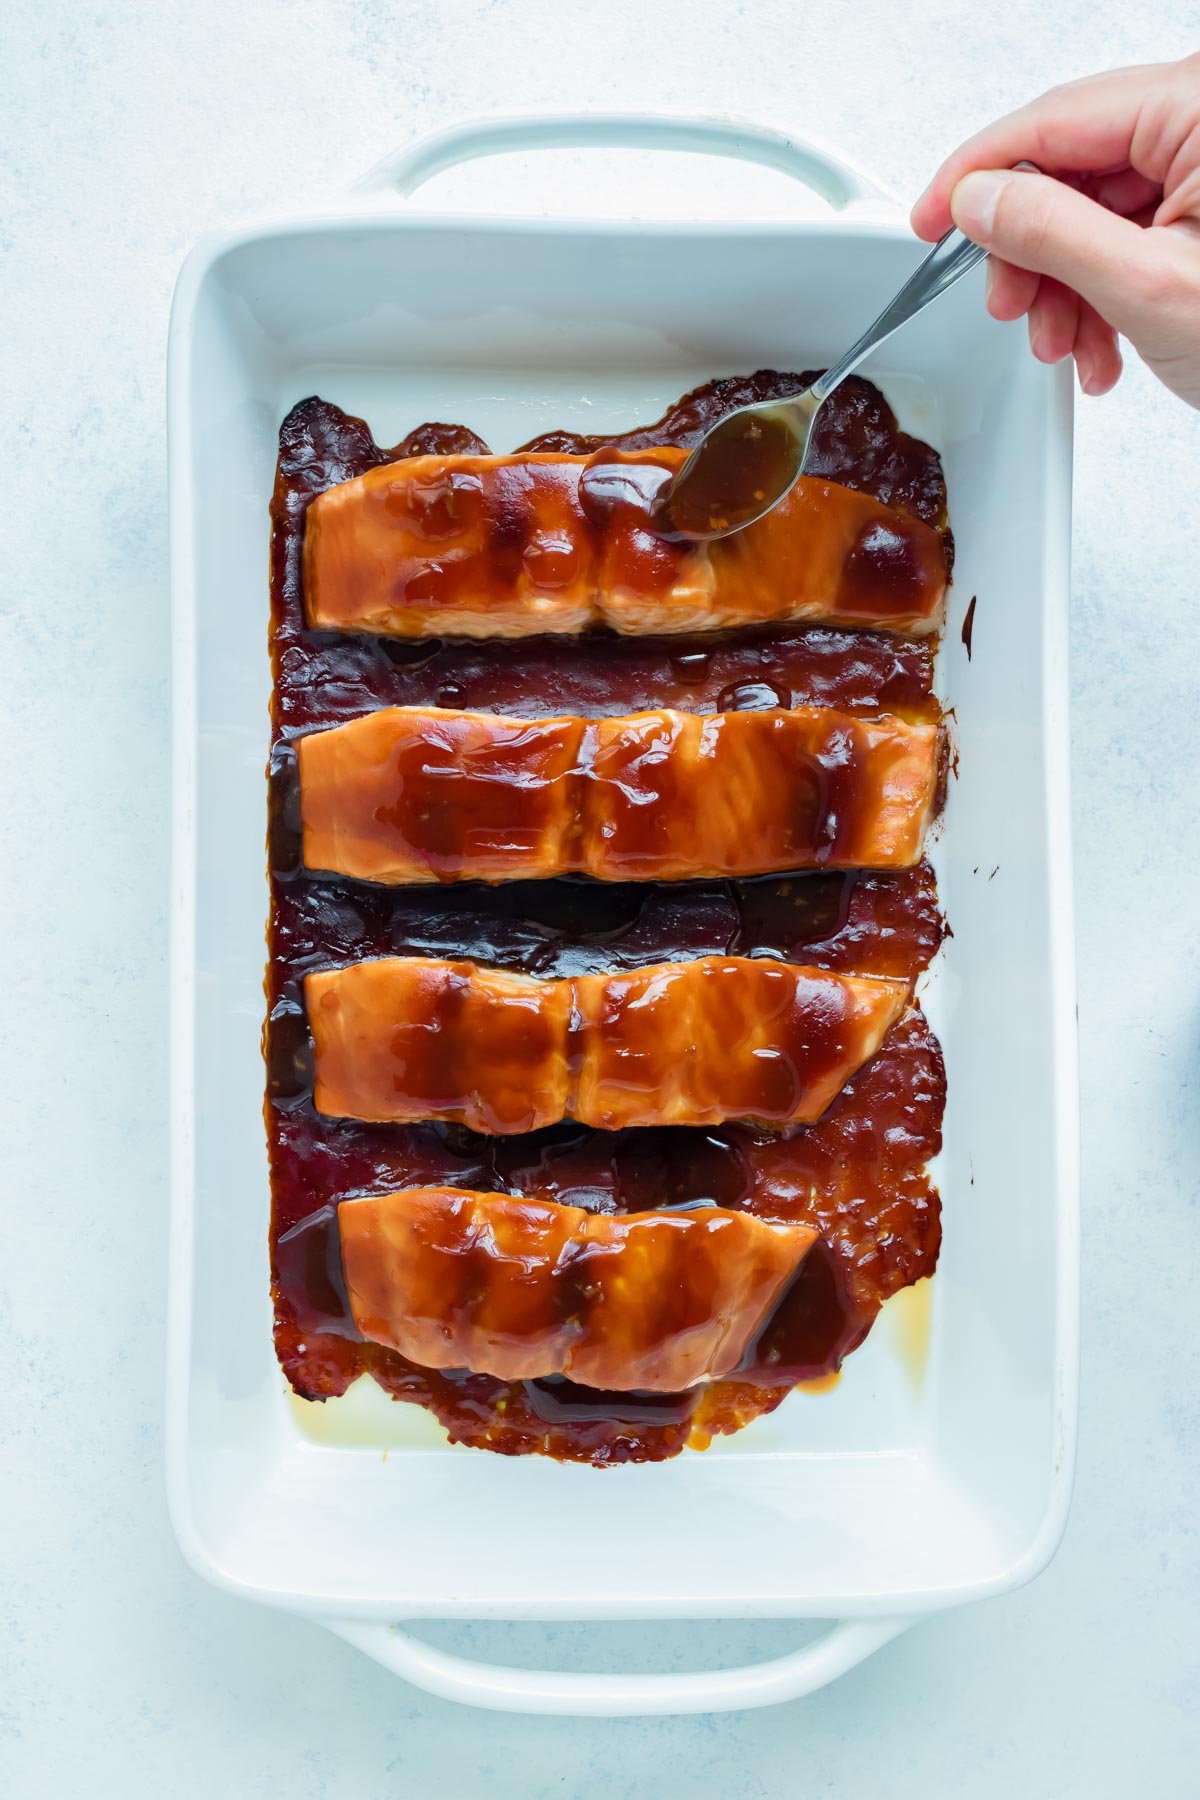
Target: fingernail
[973, 202]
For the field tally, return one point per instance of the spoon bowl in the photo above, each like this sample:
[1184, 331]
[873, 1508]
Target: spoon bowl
[741, 468]
[746, 464]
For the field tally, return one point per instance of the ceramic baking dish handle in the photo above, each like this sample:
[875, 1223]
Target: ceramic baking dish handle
[839, 182]
[503, 1689]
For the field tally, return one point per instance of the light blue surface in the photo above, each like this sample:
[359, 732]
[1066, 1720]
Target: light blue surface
[126, 130]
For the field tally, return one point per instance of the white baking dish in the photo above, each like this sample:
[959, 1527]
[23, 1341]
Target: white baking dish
[869, 1505]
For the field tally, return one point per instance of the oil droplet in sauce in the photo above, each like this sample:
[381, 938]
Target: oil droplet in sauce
[691, 667]
[753, 696]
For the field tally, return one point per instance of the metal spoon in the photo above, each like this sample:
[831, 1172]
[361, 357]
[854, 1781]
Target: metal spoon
[751, 458]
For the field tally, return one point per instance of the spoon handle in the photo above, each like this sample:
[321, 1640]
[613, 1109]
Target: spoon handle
[946, 263]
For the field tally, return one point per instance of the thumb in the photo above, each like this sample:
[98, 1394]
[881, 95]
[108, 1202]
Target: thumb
[1040, 224]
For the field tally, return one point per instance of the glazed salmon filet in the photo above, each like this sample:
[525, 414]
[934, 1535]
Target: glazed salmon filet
[500, 546]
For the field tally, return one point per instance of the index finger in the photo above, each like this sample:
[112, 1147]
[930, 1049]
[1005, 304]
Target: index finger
[1086, 125]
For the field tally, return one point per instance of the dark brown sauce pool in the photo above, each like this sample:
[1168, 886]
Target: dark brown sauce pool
[858, 1174]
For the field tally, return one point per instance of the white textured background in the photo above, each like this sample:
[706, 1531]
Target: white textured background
[125, 130]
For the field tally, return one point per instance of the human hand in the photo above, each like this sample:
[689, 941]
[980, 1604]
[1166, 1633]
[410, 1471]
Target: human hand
[1107, 240]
